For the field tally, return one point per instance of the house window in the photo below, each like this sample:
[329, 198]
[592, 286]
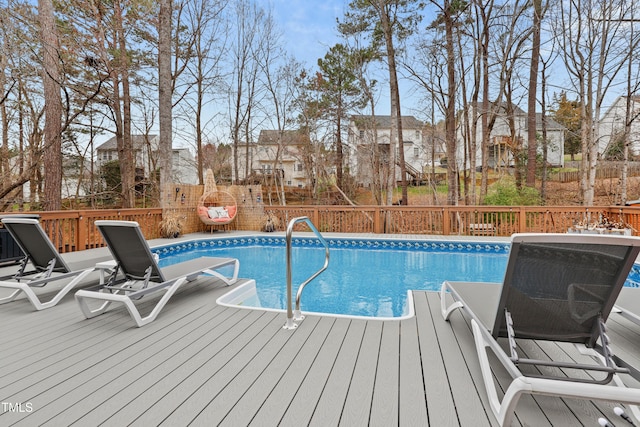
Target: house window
[362, 134]
[299, 167]
[417, 135]
[416, 151]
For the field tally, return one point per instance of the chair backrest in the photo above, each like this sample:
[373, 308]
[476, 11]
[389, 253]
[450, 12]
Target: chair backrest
[557, 286]
[130, 249]
[35, 243]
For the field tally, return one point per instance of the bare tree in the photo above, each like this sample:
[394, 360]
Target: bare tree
[21, 109]
[241, 88]
[532, 151]
[203, 72]
[590, 40]
[445, 85]
[633, 84]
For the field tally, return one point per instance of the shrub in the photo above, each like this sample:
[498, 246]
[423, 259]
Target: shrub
[505, 193]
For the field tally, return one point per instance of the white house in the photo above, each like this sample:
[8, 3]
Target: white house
[420, 150]
[502, 140]
[146, 155]
[612, 124]
[277, 154]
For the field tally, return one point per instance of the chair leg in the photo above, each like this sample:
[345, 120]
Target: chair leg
[82, 296]
[33, 298]
[11, 297]
[108, 298]
[228, 280]
[446, 311]
[634, 409]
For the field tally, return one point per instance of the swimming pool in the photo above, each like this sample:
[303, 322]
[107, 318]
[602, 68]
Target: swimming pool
[365, 277]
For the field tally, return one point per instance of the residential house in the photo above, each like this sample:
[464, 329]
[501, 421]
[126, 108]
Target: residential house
[612, 125]
[76, 177]
[502, 141]
[279, 156]
[146, 154]
[420, 148]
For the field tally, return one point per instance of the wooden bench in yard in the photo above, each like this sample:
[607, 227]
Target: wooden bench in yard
[482, 229]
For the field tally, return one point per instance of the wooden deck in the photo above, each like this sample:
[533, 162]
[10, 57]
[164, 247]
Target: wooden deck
[203, 364]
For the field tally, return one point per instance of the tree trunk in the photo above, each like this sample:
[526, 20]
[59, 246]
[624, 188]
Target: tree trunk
[531, 102]
[339, 153]
[396, 112]
[450, 117]
[486, 132]
[165, 147]
[53, 108]
[4, 118]
[125, 146]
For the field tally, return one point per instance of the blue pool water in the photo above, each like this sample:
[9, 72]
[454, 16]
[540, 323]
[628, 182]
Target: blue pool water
[365, 277]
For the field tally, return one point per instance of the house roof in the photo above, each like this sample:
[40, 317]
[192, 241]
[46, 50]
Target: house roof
[615, 105]
[517, 111]
[502, 110]
[408, 122]
[551, 123]
[138, 142]
[287, 137]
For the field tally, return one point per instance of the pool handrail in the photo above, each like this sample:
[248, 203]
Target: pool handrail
[291, 314]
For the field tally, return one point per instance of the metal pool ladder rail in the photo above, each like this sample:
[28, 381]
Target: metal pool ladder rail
[291, 314]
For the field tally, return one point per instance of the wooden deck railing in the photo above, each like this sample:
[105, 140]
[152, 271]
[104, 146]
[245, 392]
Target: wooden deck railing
[451, 220]
[75, 230]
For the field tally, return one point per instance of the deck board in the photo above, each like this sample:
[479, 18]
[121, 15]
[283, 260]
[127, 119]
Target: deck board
[328, 409]
[384, 407]
[203, 364]
[179, 376]
[290, 356]
[412, 409]
[315, 383]
[118, 374]
[440, 406]
[357, 404]
[461, 365]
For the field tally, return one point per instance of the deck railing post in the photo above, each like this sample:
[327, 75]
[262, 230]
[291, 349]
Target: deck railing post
[82, 240]
[522, 222]
[377, 222]
[446, 221]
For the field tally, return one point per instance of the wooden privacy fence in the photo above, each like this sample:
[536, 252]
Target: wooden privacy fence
[75, 230]
[607, 171]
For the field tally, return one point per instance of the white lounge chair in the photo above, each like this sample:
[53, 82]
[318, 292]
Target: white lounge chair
[47, 266]
[141, 273]
[557, 287]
